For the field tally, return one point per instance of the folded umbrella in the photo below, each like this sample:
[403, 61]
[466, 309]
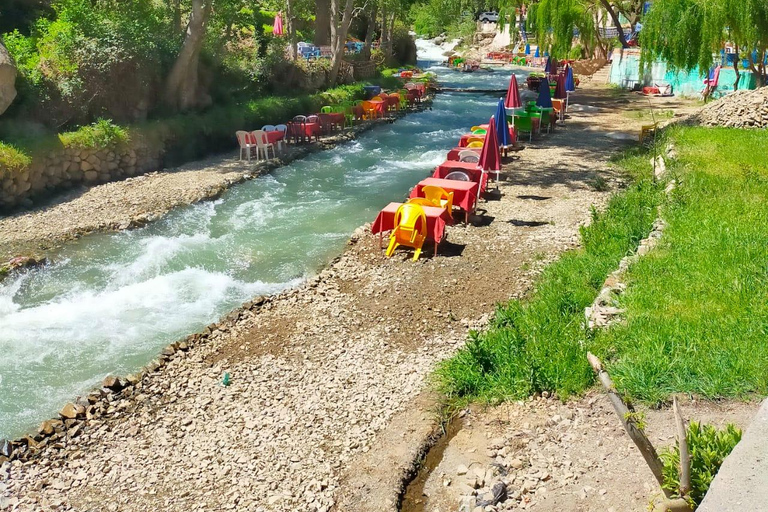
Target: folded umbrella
[277, 27]
[548, 65]
[513, 94]
[545, 99]
[502, 128]
[560, 88]
[537, 54]
[569, 83]
[527, 49]
[490, 159]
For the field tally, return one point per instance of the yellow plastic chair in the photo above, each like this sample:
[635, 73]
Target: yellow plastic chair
[475, 144]
[421, 201]
[410, 229]
[475, 128]
[475, 139]
[438, 197]
[369, 110]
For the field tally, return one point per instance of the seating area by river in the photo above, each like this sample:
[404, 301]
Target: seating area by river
[462, 180]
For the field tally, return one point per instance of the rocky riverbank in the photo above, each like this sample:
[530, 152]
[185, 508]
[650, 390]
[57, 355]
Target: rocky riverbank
[136, 201]
[317, 373]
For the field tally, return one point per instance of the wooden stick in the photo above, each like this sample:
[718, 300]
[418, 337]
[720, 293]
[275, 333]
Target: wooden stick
[685, 458]
[624, 412]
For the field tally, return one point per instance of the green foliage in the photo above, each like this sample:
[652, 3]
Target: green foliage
[686, 33]
[696, 308]
[708, 448]
[101, 134]
[540, 344]
[554, 22]
[12, 159]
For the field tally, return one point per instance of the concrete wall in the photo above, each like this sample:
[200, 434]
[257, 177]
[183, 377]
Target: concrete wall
[625, 72]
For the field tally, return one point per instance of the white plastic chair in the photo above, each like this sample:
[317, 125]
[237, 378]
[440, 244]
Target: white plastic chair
[268, 127]
[262, 145]
[242, 139]
[273, 128]
[468, 155]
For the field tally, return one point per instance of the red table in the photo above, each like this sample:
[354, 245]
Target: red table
[332, 118]
[437, 218]
[475, 173]
[304, 130]
[393, 102]
[454, 153]
[463, 141]
[464, 192]
[275, 136]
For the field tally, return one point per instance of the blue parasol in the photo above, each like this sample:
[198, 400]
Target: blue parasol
[502, 128]
[569, 83]
[527, 49]
[545, 98]
[537, 55]
[548, 66]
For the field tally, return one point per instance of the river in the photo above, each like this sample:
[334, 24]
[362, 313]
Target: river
[109, 302]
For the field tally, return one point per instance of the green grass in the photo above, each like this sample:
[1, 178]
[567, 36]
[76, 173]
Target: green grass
[539, 344]
[697, 307]
[101, 134]
[12, 159]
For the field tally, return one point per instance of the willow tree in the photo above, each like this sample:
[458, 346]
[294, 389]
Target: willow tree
[688, 34]
[554, 22]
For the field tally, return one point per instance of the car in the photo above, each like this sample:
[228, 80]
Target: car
[489, 17]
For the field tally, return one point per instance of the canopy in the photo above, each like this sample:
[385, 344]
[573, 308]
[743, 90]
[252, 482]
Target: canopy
[490, 159]
[527, 49]
[513, 94]
[548, 65]
[537, 55]
[277, 27]
[502, 128]
[569, 83]
[545, 99]
[560, 89]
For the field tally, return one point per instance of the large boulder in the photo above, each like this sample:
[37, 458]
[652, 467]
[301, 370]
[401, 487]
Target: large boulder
[7, 79]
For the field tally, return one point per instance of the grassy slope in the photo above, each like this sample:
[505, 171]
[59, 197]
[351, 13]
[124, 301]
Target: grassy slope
[697, 314]
[697, 308]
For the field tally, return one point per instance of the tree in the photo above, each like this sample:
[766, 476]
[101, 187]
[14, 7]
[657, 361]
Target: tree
[322, 22]
[339, 29]
[687, 34]
[181, 86]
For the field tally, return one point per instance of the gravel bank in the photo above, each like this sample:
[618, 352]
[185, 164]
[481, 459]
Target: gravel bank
[318, 372]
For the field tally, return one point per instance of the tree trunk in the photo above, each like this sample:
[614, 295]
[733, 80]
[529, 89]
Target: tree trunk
[384, 40]
[615, 17]
[7, 78]
[322, 22]
[390, 32]
[290, 30]
[339, 31]
[372, 13]
[736, 69]
[181, 87]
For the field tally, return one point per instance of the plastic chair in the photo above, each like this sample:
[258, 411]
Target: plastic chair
[326, 109]
[262, 144]
[268, 128]
[475, 139]
[465, 152]
[410, 229]
[244, 140]
[370, 111]
[475, 144]
[559, 108]
[458, 176]
[470, 158]
[439, 197]
[480, 131]
[474, 128]
[421, 201]
[524, 124]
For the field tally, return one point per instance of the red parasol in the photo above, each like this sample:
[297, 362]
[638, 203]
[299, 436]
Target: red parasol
[560, 89]
[490, 159]
[513, 94]
[277, 27]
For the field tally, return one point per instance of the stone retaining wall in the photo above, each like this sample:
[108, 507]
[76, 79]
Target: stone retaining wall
[65, 168]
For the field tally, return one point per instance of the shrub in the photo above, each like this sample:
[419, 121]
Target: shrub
[101, 134]
[12, 159]
[708, 448]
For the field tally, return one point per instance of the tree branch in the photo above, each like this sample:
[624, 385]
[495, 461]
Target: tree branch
[682, 442]
[625, 415]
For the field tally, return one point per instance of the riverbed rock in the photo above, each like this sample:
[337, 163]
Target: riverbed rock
[72, 411]
[7, 79]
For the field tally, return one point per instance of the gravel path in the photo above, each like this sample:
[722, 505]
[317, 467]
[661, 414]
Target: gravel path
[319, 371]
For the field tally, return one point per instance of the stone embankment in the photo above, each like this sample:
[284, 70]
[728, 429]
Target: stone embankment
[741, 109]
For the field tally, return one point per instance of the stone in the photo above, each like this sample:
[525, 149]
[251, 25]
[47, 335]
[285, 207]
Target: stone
[72, 411]
[5, 448]
[90, 175]
[461, 469]
[48, 427]
[113, 383]
[7, 80]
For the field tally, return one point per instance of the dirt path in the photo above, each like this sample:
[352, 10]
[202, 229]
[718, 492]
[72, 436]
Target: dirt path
[319, 372]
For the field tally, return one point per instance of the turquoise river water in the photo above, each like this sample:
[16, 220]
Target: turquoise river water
[110, 302]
